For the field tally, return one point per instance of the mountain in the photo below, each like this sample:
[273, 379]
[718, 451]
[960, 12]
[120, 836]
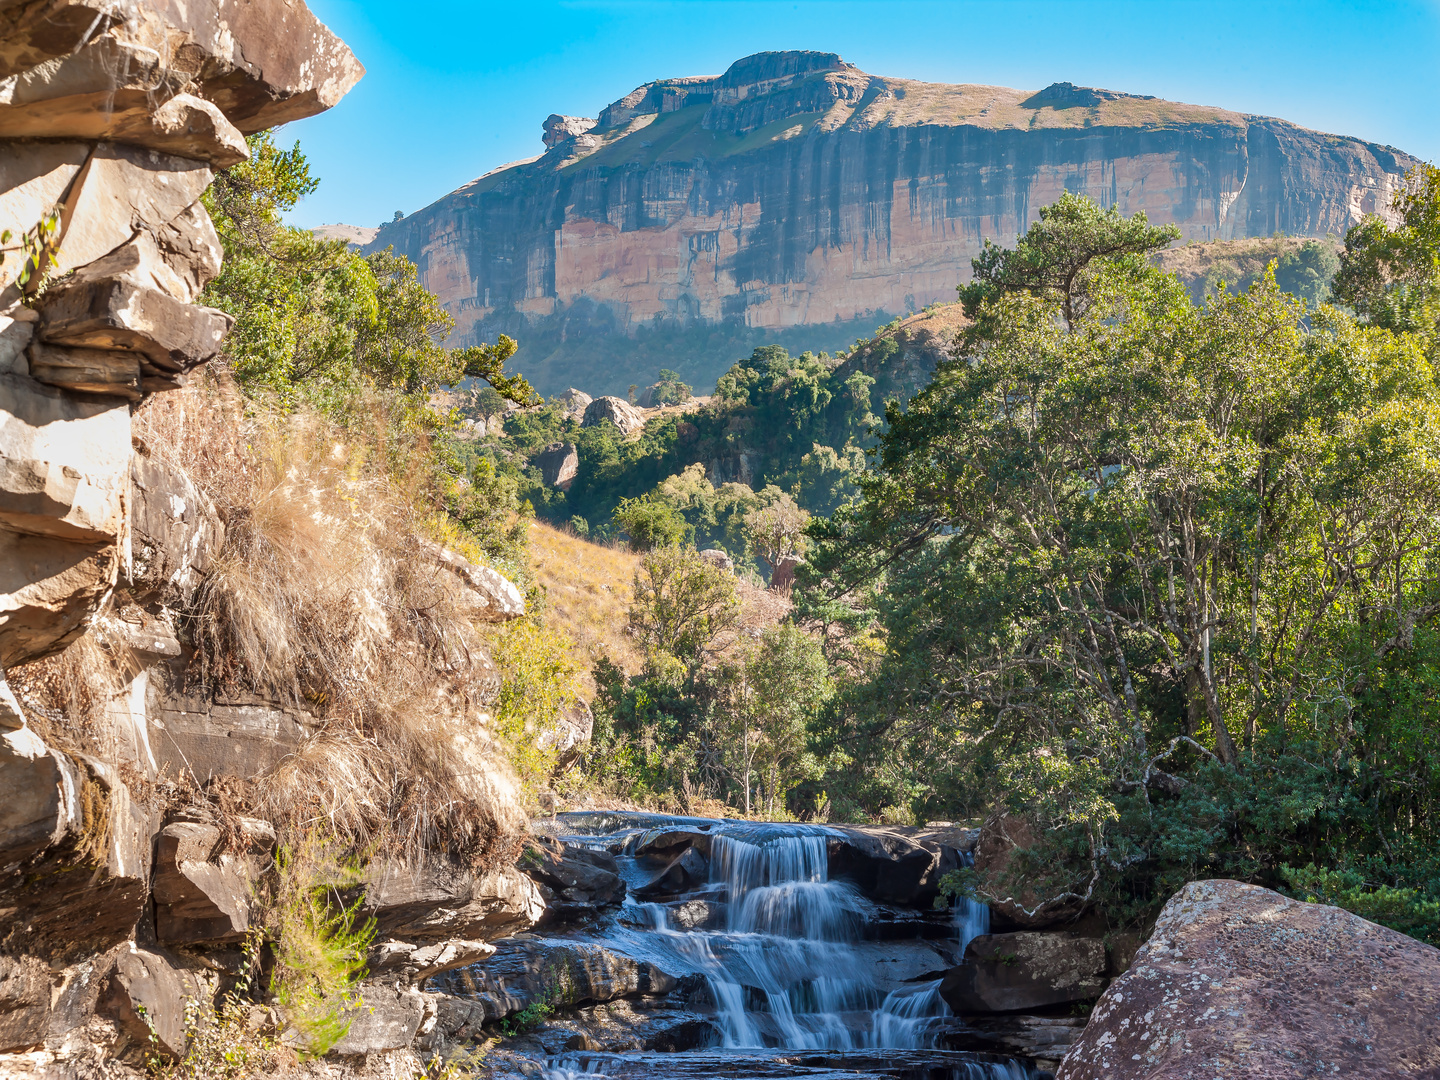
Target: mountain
[797, 199]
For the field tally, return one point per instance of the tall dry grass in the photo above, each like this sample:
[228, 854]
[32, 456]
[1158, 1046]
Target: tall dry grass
[321, 599]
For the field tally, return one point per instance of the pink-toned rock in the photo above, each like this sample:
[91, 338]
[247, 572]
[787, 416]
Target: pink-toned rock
[1017, 904]
[1237, 981]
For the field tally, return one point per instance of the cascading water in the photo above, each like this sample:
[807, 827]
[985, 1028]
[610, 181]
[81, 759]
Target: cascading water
[784, 968]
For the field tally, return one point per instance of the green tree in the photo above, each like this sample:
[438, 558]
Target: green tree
[776, 532]
[650, 523]
[1391, 277]
[681, 605]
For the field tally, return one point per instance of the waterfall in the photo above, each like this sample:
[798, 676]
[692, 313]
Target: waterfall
[786, 962]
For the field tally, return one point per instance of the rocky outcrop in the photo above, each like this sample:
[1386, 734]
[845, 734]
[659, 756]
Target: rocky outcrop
[1239, 981]
[575, 882]
[795, 191]
[439, 901]
[203, 893]
[558, 463]
[617, 411]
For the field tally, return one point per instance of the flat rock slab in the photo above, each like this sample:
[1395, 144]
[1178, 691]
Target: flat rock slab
[1238, 981]
[1026, 970]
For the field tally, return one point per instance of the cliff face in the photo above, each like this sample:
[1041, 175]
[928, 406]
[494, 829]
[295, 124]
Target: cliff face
[796, 191]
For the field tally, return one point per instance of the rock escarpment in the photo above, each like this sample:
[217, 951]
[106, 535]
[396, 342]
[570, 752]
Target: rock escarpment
[796, 191]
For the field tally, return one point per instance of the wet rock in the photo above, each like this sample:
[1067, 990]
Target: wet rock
[884, 865]
[203, 895]
[1024, 971]
[527, 969]
[616, 410]
[696, 914]
[147, 993]
[667, 843]
[686, 872]
[1239, 981]
[24, 1002]
[1019, 907]
[558, 463]
[439, 901]
[1044, 1039]
[574, 887]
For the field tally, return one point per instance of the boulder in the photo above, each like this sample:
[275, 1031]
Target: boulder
[559, 129]
[1001, 836]
[616, 410]
[574, 403]
[718, 558]
[17, 327]
[884, 865]
[486, 594]
[1023, 971]
[782, 578]
[527, 969]
[558, 463]
[204, 895]
[687, 872]
[1238, 981]
[573, 887]
[146, 996]
[668, 842]
[439, 901]
[24, 1002]
[387, 1018]
[696, 914]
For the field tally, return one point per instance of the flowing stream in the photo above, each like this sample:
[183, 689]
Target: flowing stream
[797, 989]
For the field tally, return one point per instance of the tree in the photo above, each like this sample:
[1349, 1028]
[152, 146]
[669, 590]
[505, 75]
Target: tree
[1053, 258]
[650, 523]
[776, 532]
[1391, 277]
[1117, 559]
[681, 604]
[786, 683]
[669, 390]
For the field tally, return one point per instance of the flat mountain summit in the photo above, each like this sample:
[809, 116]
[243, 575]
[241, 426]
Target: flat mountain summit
[798, 199]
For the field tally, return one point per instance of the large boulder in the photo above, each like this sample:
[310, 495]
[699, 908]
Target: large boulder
[388, 1018]
[616, 410]
[558, 463]
[1238, 981]
[574, 403]
[525, 970]
[686, 872]
[485, 594]
[1024, 971]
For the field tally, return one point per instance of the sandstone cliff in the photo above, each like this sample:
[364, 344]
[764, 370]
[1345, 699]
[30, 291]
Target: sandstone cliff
[798, 199]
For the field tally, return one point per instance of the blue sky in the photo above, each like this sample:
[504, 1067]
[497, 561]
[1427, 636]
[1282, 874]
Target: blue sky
[457, 87]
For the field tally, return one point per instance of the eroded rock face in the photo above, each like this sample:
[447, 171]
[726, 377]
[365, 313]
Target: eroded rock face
[558, 464]
[575, 883]
[440, 901]
[796, 190]
[1238, 981]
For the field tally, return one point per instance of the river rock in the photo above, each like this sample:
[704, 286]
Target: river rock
[667, 843]
[1238, 981]
[1024, 971]
[438, 901]
[574, 887]
[388, 1018]
[24, 1002]
[686, 872]
[527, 969]
[616, 410]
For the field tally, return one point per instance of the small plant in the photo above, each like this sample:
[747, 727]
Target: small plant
[559, 994]
[40, 243]
[220, 1043]
[321, 942]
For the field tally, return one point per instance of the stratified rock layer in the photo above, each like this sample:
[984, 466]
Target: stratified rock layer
[796, 190]
[1238, 981]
